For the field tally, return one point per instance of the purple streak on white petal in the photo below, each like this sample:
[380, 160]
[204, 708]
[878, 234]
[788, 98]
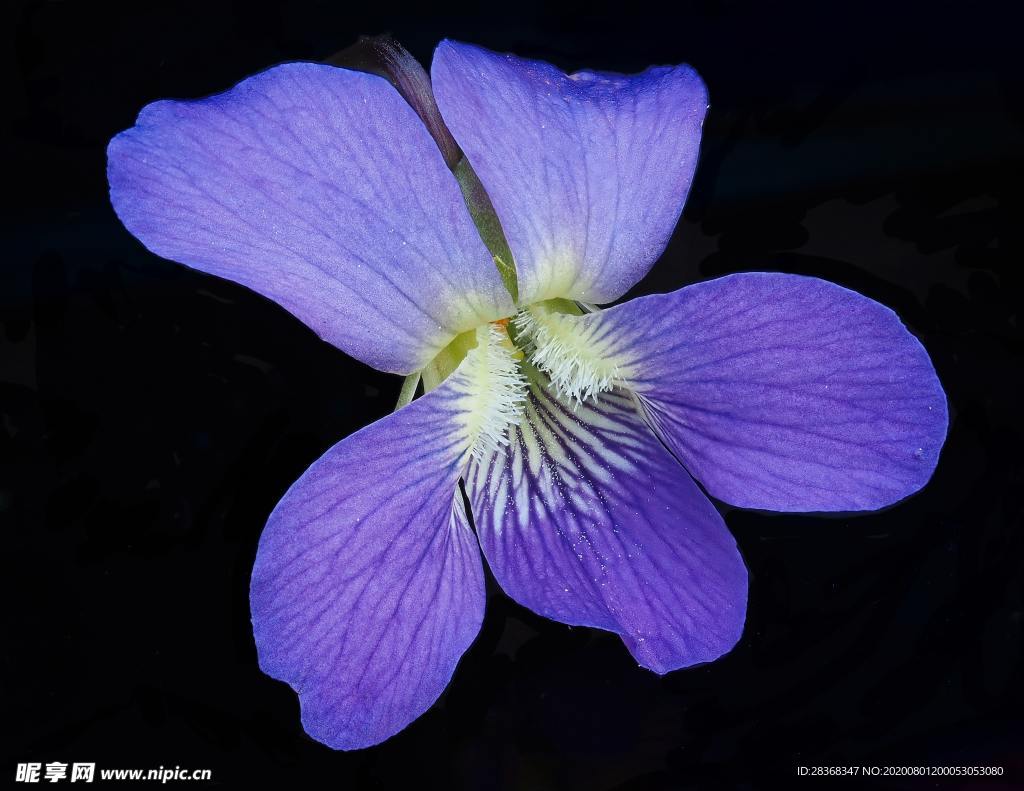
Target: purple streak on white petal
[368, 583]
[321, 189]
[587, 519]
[782, 392]
[588, 173]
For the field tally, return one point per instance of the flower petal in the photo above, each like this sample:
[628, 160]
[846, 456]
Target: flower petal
[321, 189]
[368, 584]
[587, 172]
[781, 392]
[586, 518]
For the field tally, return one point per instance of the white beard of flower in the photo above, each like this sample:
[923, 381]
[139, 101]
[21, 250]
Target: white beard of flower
[492, 391]
[572, 358]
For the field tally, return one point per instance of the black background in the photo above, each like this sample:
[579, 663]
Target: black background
[152, 416]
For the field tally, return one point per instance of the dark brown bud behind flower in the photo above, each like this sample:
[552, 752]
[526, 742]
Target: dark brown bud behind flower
[384, 56]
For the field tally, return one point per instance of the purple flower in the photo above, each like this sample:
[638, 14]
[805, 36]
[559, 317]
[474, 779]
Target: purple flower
[575, 430]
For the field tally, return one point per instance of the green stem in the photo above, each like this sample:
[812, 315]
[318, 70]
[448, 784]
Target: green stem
[486, 220]
[409, 386]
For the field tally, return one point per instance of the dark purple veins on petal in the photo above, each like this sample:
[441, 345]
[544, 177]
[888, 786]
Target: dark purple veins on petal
[368, 583]
[321, 189]
[587, 172]
[585, 518]
[783, 392]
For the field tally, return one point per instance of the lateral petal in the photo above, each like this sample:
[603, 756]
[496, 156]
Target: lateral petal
[368, 585]
[781, 392]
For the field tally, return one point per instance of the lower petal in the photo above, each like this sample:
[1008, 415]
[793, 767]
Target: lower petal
[585, 518]
[368, 584]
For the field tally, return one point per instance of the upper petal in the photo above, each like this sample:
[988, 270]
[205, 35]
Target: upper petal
[321, 189]
[781, 392]
[368, 584]
[587, 172]
[586, 518]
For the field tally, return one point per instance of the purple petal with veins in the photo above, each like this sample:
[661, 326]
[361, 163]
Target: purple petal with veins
[588, 172]
[782, 392]
[587, 519]
[368, 584]
[321, 189]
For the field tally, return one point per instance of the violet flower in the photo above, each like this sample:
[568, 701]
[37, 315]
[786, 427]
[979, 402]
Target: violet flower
[575, 430]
